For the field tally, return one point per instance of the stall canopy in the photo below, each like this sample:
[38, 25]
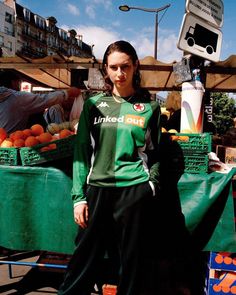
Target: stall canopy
[55, 72]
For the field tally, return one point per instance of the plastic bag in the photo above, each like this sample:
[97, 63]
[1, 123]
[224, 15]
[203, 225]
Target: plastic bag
[77, 108]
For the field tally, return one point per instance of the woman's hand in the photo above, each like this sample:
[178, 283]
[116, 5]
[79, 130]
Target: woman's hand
[81, 214]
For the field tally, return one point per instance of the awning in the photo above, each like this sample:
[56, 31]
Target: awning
[55, 72]
[51, 71]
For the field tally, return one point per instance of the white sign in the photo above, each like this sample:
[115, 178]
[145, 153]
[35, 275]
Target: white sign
[25, 86]
[200, 38]
[210, 10]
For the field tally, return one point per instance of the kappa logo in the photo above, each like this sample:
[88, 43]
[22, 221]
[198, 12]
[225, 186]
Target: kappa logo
[103, 104]
[139, 107]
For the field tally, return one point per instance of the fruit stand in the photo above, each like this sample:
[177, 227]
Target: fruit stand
[36, 210]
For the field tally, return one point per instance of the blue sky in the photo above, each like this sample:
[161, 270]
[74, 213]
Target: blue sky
[100, 22]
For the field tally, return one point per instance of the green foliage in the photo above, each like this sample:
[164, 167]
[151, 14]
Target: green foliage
[224, 111]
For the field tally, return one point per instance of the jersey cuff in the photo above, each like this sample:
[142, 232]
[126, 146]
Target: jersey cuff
[80, 202]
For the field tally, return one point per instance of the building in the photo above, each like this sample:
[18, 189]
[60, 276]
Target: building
[35, 36]
[7, 31]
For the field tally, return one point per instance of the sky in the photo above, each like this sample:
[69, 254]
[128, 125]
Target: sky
[100, 22]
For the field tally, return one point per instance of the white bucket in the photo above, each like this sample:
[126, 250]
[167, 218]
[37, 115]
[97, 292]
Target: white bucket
[192, 107]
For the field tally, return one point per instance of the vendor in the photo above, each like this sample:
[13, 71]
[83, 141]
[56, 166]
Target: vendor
[17, 106]
[173, 105]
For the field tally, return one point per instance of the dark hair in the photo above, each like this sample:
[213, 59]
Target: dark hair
[127, 48]
[6, 78]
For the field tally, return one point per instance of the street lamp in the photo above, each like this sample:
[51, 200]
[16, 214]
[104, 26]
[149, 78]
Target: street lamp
[126, 8]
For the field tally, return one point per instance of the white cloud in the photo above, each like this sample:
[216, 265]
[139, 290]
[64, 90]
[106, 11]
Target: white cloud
[107, 4]
[99, 37]
[167, 48]
[143, 48]
[90, 11]
[73, 9]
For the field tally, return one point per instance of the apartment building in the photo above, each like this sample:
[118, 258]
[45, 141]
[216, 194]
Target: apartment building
[35, 36]
[7, 31]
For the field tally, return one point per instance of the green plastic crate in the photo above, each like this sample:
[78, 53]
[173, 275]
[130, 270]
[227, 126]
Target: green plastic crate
[196, 143]
[9, 156]
[193, 164]
[34, 155]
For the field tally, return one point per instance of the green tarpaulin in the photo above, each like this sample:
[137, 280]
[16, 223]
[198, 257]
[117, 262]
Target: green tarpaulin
[36, 209]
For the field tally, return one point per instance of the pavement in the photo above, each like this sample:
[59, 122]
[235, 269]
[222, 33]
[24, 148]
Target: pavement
[34, 272]
[34, 279]
[21, 279]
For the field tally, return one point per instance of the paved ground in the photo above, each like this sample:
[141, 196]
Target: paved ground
[28, 280]
[21, 279]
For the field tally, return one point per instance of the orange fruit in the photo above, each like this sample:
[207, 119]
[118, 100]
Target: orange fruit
[55, 137]
[44, 149]
[31, 141]
[19, 142]
[52, 146]
[45, 137]
[17, 134]
[64, 133]
[37, 129]
[27, 132]
[3, 135]
[174, 137]
[7, 143]
[183, 138]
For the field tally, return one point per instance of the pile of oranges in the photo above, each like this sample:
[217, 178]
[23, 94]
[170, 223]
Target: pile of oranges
[31, 137]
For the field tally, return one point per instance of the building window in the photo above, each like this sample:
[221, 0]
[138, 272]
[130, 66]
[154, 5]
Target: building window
[63, 34]
[9, 18]
[40, 36]
[9, 45]
[39, 21]
[8, 31]
[1, 41]
[27, 29]
[27, 14]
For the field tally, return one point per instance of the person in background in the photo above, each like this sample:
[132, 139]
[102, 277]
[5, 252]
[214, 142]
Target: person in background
[58, 113]
[115, 178]
[173, 105]
[17, 106]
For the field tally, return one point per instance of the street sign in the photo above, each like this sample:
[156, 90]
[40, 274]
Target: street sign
[200, 38]
[209, 10]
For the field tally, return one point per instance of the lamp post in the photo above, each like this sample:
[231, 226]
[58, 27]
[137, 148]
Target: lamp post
[126, 8]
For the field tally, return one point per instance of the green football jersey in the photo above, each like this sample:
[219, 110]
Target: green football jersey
[116, 144]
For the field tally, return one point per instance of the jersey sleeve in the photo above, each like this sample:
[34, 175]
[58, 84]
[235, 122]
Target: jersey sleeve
[82, 156]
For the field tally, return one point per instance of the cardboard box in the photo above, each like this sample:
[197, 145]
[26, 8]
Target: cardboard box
[226, 155]
[222, 261]
[222, 274]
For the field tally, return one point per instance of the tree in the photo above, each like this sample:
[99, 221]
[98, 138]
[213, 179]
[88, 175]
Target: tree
[224, 110]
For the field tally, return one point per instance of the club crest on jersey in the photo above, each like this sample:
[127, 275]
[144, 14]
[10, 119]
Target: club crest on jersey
[139, 107]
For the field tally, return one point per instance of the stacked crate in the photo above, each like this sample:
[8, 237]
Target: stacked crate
[195, 147]
[186, 152]
[222, 274]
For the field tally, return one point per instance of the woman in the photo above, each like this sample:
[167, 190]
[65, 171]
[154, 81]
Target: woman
[115, 176]
[173, 105]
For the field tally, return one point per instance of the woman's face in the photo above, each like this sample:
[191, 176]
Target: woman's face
[120, 70]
